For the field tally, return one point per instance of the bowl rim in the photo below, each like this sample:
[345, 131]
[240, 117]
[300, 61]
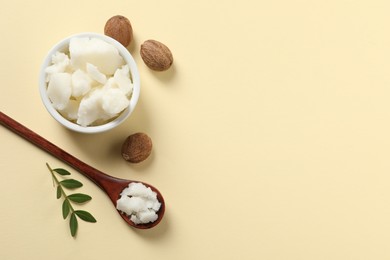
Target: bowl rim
[64, 44]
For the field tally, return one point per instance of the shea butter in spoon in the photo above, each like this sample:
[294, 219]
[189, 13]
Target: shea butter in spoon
[139, 203]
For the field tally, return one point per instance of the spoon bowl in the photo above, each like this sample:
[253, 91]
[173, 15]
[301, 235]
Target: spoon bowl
[114, 186]
[111, 185]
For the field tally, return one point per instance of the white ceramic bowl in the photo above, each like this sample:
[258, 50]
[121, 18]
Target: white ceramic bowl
[63, 46]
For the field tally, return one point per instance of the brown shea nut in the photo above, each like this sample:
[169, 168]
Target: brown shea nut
[156, 55]
[119, 28]
[137, 147]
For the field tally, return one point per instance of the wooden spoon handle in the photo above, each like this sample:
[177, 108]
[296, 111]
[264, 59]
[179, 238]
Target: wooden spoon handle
[98, 177]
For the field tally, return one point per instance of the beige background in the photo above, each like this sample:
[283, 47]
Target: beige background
[271, 131]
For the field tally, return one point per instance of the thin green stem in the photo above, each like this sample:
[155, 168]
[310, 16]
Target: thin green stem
[60, 187]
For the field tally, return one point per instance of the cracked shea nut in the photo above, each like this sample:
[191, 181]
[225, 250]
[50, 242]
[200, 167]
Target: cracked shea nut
[156, 55]
[137, 147]
[119, 28]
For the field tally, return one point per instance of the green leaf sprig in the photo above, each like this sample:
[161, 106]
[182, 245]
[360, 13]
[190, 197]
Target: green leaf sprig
[67, 207]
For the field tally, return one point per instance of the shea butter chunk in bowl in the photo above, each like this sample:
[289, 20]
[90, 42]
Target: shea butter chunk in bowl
[89, 83]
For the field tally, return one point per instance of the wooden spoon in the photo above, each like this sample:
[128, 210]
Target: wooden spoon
[111, 185]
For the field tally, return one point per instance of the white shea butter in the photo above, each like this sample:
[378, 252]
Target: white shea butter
[95, 74]
[89, 84]
[81, 83]
[139, 203]
[97, 52]
[60, 89]
[60, 62]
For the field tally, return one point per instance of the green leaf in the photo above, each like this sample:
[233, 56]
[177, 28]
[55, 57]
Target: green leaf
[85, 215]
[65, 208]
[73, 224]
[59, 193]
[79, 197]
[61, 171]
[71, 184]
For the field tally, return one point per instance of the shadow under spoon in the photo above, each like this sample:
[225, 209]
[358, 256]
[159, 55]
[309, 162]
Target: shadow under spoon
[112, 186]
